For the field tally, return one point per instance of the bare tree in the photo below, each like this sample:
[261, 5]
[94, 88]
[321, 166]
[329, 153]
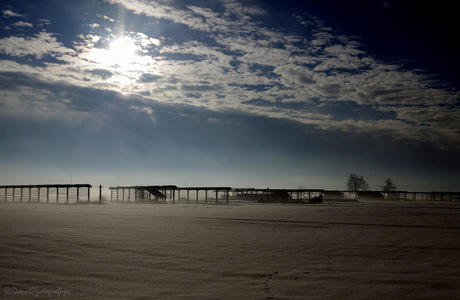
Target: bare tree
[357, 183]
[389, 186]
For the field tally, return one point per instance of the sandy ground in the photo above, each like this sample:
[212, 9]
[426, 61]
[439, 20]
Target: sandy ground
[406, 250]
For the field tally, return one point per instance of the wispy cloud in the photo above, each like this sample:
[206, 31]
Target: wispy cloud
[39, 45]
[23, 24]
[9, 13]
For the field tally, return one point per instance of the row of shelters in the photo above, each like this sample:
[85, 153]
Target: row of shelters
[76, 193]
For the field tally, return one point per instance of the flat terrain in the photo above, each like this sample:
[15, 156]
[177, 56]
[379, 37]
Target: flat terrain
[365, 250]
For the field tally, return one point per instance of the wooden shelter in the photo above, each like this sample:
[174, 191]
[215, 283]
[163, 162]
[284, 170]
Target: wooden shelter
[50, 192]
[225, 190]
[154, 193]
[165, 193]
[277, 195]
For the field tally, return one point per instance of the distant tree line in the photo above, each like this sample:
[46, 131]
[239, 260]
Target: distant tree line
[356, 183]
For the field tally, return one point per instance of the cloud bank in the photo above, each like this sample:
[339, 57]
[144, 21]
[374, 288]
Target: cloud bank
[222, 57]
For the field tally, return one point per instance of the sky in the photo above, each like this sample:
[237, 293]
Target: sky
[279, 94]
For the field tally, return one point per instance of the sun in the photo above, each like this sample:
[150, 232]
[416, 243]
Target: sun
[123, 52]
[124, 58]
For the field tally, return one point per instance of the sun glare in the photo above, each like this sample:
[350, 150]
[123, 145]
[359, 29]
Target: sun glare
[123, 58]
[123, 52]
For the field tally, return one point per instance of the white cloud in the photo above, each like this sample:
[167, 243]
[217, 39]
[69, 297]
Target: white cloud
[246, 62]
[23, 24]
[39, 45]
[9, 13]
[204, 12]
[158, 10]
[439, 122]
[148, 111]
[241, 9]
[108, 18]
[43, 22]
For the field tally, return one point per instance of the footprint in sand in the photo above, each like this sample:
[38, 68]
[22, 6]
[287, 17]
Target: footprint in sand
[266, 287]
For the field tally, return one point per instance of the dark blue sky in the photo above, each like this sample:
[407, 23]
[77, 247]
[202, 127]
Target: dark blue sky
[423, 34]
[277, 94]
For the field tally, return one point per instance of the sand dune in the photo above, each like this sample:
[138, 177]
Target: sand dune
[406, 250]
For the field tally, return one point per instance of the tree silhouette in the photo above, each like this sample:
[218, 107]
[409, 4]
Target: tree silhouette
[389, 186]
[357, 183]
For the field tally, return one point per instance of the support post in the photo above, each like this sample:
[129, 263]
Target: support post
[6, 194]
[206, 196]
[67, 195]
[196, 196]
[88, 193]
[227, 195]
[100, 193]
[188, 194]
[38, 194]
[21, 194]
[57, 195]
[78, 194]
[30, 194]
[47, 195]
[217, 194]
[173, 196]
[13, 194]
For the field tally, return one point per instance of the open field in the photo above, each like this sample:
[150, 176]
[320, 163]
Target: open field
[365, 250]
